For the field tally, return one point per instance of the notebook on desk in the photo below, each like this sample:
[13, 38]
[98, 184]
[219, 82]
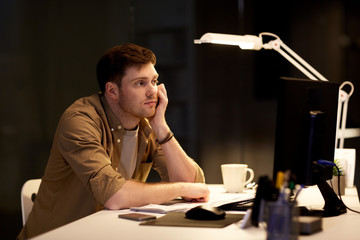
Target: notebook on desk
[226, 201]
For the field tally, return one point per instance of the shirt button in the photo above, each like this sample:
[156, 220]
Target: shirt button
[116, 168]
[118, 140]
[112, 129]
[119, 127]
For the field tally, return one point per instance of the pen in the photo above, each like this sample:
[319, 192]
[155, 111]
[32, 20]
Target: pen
[149, 210]
[279, 179]
[298, 189]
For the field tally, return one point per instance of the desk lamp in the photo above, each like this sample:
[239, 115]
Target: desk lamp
[251, 42]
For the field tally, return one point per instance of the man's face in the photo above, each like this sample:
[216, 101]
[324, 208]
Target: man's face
[138, 91]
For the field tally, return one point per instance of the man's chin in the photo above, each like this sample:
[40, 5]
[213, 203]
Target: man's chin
[150, 115]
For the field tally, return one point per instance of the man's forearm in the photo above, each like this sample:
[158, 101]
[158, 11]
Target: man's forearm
[134, 194]
[180, 166]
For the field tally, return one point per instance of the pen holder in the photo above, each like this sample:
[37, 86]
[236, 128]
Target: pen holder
[282, 220]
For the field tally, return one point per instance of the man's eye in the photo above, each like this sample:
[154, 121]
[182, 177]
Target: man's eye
[139, 83]
[155, 82]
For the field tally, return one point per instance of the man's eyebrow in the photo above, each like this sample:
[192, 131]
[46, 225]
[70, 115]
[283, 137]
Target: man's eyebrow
[144, 77]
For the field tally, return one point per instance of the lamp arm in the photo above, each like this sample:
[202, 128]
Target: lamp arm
[339, 133]
[343, 123]
[292, 57]
[296, 64]
[303, 62]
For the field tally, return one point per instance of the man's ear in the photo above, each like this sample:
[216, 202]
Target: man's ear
[112, 90]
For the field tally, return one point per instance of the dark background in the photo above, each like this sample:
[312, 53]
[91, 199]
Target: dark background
[221, 98]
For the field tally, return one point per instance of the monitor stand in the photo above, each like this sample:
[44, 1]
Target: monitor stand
[333, 205]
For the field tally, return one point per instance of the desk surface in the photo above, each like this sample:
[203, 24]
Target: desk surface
[106, 225]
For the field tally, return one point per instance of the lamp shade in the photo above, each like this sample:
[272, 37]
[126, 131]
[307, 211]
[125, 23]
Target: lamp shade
[244, 42]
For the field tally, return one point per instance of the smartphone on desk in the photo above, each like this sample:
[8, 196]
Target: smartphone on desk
[137, 216]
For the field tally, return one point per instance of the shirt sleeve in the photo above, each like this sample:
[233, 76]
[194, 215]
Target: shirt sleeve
[80, 139]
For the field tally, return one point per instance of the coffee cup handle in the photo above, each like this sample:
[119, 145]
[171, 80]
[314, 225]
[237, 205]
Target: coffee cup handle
[251, 176]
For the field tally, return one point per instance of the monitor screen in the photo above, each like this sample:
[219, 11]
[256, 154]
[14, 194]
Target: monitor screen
[305, 128]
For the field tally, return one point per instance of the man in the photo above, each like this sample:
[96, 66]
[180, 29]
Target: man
[106, 144]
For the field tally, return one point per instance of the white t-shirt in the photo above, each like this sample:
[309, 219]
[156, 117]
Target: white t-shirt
[129, 153]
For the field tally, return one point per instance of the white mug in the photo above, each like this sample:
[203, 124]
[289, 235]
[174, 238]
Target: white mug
[234, 177]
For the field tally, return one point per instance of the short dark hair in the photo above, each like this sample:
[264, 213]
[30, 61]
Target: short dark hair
[112, 66]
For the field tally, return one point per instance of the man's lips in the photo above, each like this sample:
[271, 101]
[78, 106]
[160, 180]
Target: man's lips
[151, 103]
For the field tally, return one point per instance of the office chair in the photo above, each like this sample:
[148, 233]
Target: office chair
[28, 195]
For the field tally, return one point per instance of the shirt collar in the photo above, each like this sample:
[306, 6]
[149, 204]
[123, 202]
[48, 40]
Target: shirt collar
[114, 122]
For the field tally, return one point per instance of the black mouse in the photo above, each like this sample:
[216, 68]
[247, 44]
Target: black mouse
[205, 212]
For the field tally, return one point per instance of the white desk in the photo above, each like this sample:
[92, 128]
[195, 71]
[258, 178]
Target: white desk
[106, 225]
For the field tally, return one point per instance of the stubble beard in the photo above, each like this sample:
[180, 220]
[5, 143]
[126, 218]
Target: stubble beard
[131, 110]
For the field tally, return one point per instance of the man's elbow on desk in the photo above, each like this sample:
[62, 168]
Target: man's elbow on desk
[125, 197]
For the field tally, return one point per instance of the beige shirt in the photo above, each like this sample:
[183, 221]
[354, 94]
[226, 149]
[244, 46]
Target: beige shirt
[82, 170]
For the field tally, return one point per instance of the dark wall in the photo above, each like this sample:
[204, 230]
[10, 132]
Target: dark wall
[48, 54]
[221, 106]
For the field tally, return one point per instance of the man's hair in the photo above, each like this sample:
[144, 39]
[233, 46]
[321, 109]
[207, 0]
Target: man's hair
[113, 65]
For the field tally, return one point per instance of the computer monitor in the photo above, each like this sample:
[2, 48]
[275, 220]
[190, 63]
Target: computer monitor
[306, 133]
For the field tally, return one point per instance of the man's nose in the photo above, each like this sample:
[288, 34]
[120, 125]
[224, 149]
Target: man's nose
[152, 90]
